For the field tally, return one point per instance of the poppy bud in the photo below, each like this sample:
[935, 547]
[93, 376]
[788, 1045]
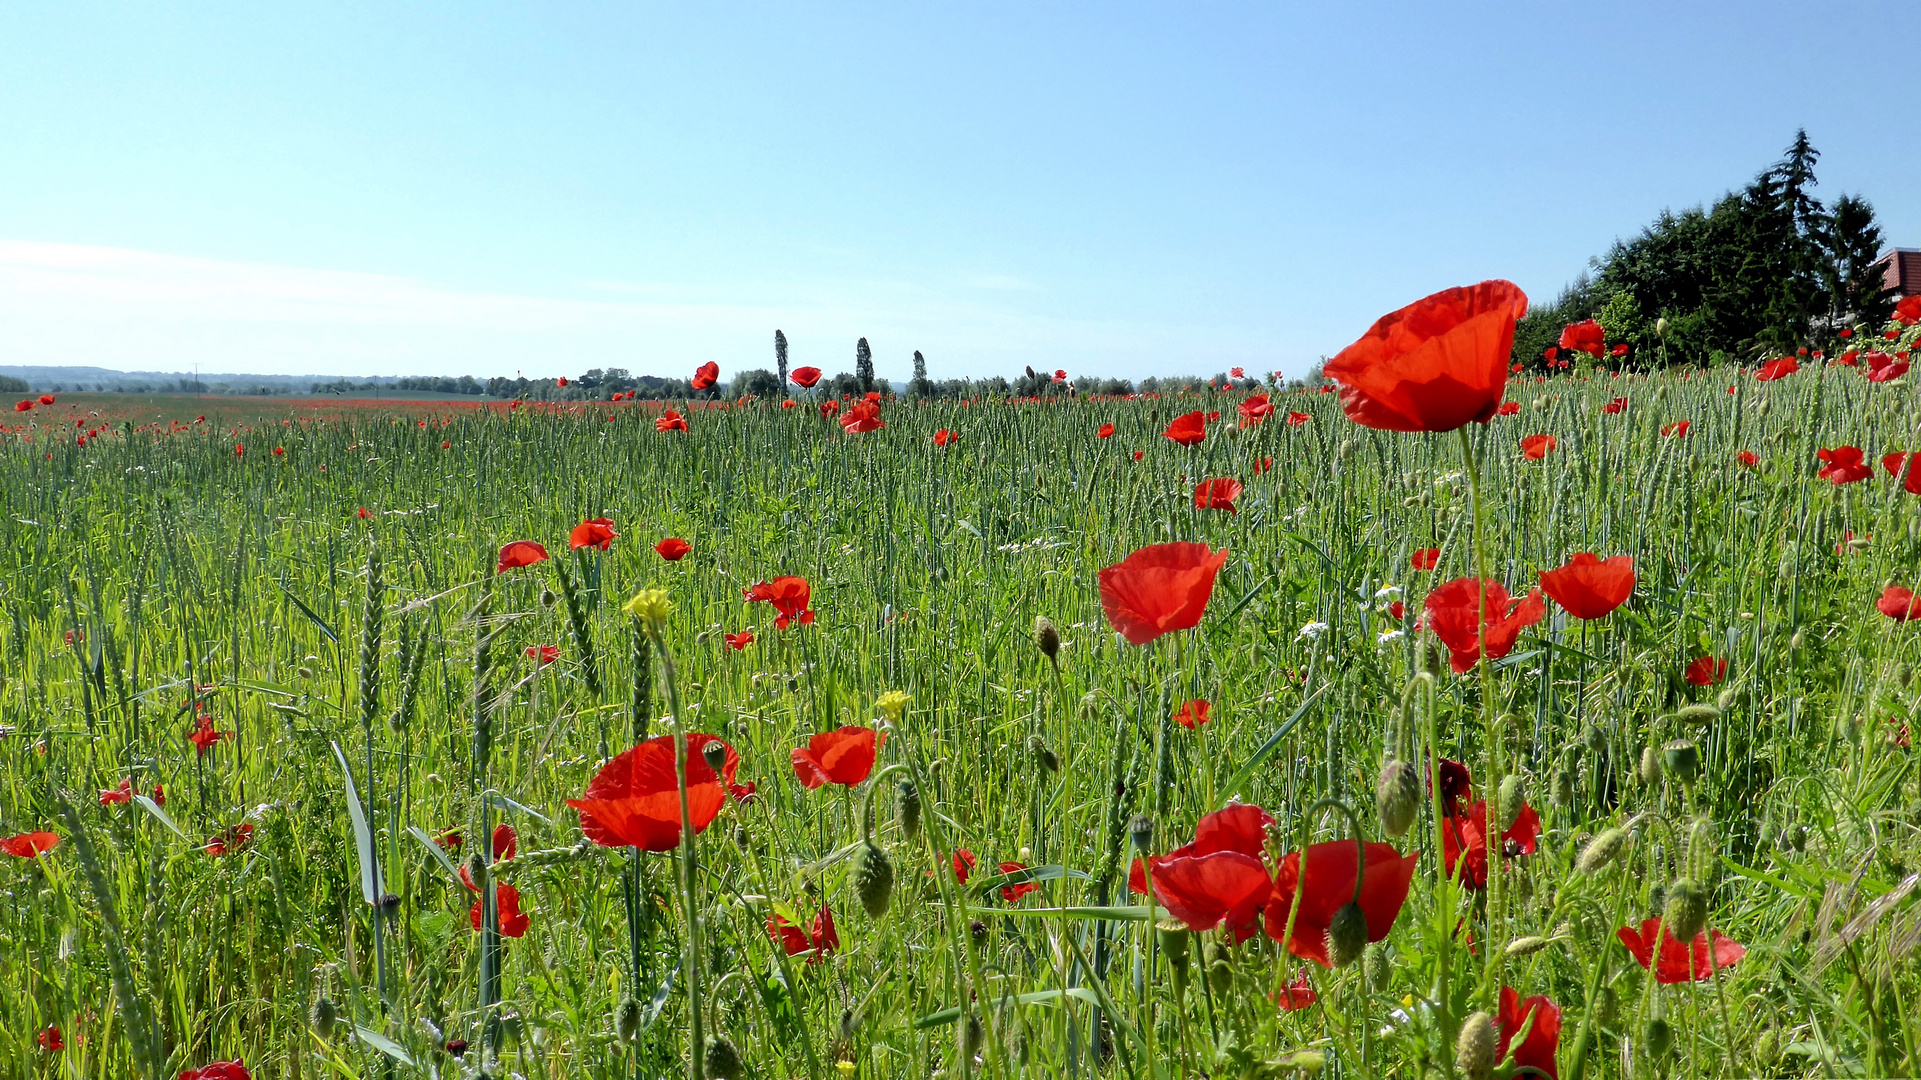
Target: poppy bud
[1686, 909]
[907, 806]
[1661, 328]
[1704, 855]
[304, 671]
[723, 1060]
[1595, 738]
[1049, 760]
[1658, 1038]
[323, 1016]
[1474, 1050]
[1698, 714]
[1511, 800]
[1798, 837]
[1046, 638]
[547, 598]
[1346, 935]
[1398, 796]
[1220, 977]
[1682, 759]
[977, 933]
[1375, 967]
[1140, 830]
[1767, 1047]
[1650, 766]
[715, 754]
[1603, 850]
[1526, 946]
[1904, 674]
[873, 879]
[971, 1036]
[1563, 790]
[1727, 699]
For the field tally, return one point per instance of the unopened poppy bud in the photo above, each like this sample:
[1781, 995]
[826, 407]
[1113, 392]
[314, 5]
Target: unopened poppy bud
[971, 1035]
[1512, 798]
[1763, 409]
[722, 1059]
[1698, 714]
[1595, 738]
[1346, 935]
[1140, 830]
[1048, 759]
[1346, 449]
[1704, 854]
[1686, 909]
[1562, 791]
[1798, 837]
[1602, 851]
[323, 1016]
[907, 807]
[715, 754]
[1650, 766]
[547, 598]
[1474, 1049]
[1306, 1061]
[1904, 674]
[1398, 796]
[1767, 1047]
[1661, 328]
[304, 671]
[1526, 946]
[1682, 759]
[1046, 638]
[1658, 1038]
[1376, 968]
[1220, 977]
[873, 879]
[1727, 699]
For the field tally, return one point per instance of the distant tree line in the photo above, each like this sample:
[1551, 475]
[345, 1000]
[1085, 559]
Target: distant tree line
[1763, 271]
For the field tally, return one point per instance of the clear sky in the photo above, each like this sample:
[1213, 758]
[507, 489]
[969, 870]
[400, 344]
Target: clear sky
[1112, 188]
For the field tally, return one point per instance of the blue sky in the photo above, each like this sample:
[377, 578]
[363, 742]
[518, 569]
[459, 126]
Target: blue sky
[1117, 189]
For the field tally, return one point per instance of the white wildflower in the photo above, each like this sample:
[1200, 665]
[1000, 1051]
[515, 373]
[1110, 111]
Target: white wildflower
[1312, 632]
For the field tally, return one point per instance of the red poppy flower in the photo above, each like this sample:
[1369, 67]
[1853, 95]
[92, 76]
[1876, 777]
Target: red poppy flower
[29, 845]
[634, 800]
[1677, 429]
[1843, 465]
[594, 532]
[829, 408]
[1261, 465]
[1298, 994]
[1884, 368]
[1159, 589]
[790, 403]
[1619, 350]
[279, 451]
[1296, 419]
[1851, 358]
[204, 736]
[507, 905]
[1543, 1040]
[1550, 353]
[1215, 889]
[1899, 604]
[843, 756]
[964, 863]
[706, 375]
[1536, 447]
[1331, 869]
[23, 406]
[160, 795]
[1508, 408]
[118, 796]
[1705, 671]
[1433, 365]
[1060, 376]
[1617, 405]
[1907, 312]
[520, 553]
[1589, 587]
[805, 377]
[1012, 893]
[670, 421]
[543, 654]
[1193, 714]
[239, 450]
[1453, 612]
[1748, 459]
[1187, 429]
[1777, 369]
[817, 941]
[1425, 559]
[1255, 408]
[673, 548]
[1585, 336]
[561, 382]
[363, 513]
[218, 1070]
[1677, 963]
[862, 418]
[943, 437]
[789, 595]
[741, 640]
[1237, 372]
[1139, 455]
[1106, 431]
[46, 399]
[231, 841]
[1468, 832]
[50, 1039]
[1217, 494]
[1397, 611]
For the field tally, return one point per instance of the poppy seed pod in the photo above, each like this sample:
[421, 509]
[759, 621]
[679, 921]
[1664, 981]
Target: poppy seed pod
[907, 806]
[1398, 796]
[1650, 766]
[873, 879]
[1682, 759]
[715, 754]
[1173, 937]
[1686, 909]
[1658, 1038]
[1347, 935]
[1140, 831]
[1512, 799]
[1474, 1049]
[722, 1060]
[1602, 851]
[1046, 637]
[323, 1016]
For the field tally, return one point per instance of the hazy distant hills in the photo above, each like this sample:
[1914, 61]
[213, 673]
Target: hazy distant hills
[57, 379]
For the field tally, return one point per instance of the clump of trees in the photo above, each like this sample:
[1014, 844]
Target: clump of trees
[1763, 271]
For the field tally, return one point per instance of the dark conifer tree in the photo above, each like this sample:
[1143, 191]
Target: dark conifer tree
[780, 357]
[864, 366]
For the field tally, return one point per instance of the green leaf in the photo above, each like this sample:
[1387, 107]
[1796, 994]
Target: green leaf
[1273, 742]
[1032, 873]
[383, 1044]
[435, 850]
[153, 808]
[1130, 913]
[502, 802]
[1038, 997]
[659, 1001]
[309, 613]
[363, 836]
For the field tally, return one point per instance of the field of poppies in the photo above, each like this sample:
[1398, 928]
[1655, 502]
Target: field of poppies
[1457, 720]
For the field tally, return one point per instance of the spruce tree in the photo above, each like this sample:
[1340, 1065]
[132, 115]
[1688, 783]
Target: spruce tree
[864, 366]
[920, 387]
[780, 357]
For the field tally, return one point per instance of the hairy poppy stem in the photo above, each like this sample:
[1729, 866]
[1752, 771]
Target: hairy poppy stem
[689, 886]
[1496, 912]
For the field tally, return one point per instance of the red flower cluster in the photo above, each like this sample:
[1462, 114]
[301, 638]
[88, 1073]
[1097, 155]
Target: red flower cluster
[817, 941]
[1672, 962]
[790, 597]
[1454, 612]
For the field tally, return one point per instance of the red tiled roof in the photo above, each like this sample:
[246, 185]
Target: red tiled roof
[1901, 271]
